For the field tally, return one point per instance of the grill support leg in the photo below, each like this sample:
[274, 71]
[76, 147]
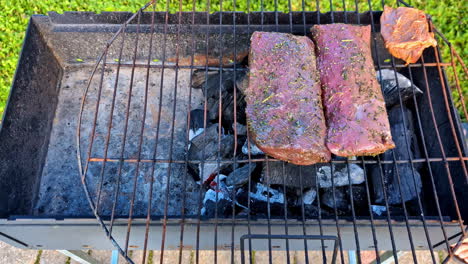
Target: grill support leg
[80, 256]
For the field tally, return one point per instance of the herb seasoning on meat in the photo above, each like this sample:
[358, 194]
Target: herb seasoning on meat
[284, 105]
[357, 120]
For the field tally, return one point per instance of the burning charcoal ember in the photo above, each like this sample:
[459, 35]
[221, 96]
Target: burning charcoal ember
[259, 200]
[254, 150]
[391, 90]
[340, 175]
[340, 199]
[291, 176]
[284, 103]
[207, 143]
[196, 123]
[241, 175]
[224, 207]
[378, 210]
[241, 129]
[354, 106]
[410, 187]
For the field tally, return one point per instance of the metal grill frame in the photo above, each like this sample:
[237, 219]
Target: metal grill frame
[124, 247]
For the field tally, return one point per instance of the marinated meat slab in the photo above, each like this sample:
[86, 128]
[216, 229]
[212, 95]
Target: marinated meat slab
[353, 102]
[406, 33]
[284, 105]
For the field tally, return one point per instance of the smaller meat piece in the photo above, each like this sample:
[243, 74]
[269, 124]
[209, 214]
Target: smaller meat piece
[284, 105]
[406, 33]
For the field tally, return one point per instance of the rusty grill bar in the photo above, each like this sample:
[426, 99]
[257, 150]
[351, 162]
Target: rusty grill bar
[107, 71]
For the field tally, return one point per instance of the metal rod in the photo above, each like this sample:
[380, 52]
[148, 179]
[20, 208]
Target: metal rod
[145, 244]
[229, 161]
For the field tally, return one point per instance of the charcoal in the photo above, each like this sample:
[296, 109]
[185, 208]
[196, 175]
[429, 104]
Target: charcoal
[199, 77]
[241, 175]
[390, 88]
[410, 187]
[196, 119]
[241, 129]
[196, 123]
[340, 199]
[340, 175]
[291, 176]
[254, 150]
[310, 211]
[223, 83]
[259, 200]
[359, 199]
[207, 142]
[224, 207]
[242, 82]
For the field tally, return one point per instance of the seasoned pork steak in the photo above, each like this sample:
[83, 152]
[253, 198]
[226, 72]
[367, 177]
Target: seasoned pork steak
[406, 32]
[284, 106]
[354, 106]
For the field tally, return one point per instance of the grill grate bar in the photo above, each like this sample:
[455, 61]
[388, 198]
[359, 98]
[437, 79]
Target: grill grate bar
[140, 140]
[148, 214]
[231, 161]
[187, 142]
[244, 69]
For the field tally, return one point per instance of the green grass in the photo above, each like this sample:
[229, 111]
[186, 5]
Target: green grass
[449, 17]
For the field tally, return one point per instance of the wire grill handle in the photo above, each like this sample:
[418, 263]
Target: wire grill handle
[296, 237]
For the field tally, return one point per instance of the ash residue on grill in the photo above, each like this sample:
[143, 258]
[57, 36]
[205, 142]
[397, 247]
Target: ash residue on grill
[226, 175]
[61, 191]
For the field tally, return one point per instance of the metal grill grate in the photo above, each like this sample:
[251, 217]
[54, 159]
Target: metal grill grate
[133, 143]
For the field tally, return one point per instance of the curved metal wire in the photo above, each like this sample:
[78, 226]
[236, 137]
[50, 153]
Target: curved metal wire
[123, 247]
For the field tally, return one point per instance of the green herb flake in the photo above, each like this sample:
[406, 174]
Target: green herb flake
[268, 98]
[156, 60]
[79, 60]
[387, 60]
[346, 40]
[116, 60]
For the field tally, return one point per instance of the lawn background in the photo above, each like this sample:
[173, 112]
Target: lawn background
[450, 17]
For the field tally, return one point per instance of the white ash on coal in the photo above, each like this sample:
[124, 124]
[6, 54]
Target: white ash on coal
[254, 150]
[240, 176]
[309, 196]
[394, 85]
[402, 181]
[261, 198]
[262, 193]
[341, 175]
[378, 209]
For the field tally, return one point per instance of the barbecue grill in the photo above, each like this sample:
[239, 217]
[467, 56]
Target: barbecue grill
[116, 91]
